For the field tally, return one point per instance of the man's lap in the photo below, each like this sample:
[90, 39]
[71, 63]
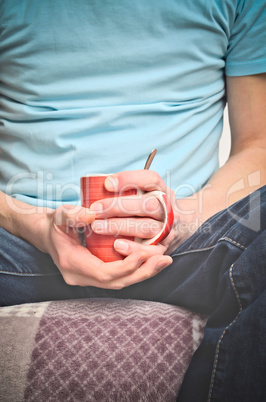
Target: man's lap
[219, 271]
[216, 245]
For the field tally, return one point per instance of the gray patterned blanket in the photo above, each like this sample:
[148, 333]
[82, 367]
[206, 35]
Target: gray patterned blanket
[95, 350]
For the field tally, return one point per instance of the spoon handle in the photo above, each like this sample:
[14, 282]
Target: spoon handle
[150, 159]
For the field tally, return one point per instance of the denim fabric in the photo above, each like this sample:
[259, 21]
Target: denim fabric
[219, 271]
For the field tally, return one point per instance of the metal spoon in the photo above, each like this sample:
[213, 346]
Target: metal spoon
[150, 159]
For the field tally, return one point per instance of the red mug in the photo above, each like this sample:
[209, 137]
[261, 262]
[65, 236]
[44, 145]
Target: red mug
[102, 246]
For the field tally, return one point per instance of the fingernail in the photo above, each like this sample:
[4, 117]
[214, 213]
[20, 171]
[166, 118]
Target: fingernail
[111, 183]
[121, 245]
[99, 226]
[97, 207]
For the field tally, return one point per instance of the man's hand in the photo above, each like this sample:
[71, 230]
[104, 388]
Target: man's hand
[138, 215]
[79, 267]
[56, 232]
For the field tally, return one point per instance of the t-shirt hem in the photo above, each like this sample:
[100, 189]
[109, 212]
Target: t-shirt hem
[240, 69]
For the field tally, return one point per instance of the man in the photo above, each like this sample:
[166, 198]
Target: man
[93, 88]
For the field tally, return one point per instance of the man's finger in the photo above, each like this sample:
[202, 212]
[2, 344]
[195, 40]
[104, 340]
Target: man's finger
[91, 271]
[136, 227]
[125, 247]
[150, 268]
[133, 205]
[145, 180]
[73, 216]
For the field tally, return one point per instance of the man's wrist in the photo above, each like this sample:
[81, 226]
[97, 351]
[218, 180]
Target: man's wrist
[24, 221]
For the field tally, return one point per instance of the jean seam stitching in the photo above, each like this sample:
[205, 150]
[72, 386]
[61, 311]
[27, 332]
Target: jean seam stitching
[234, 242]
[225, 330]
[194, 250]
[210, 247]
[27, 274]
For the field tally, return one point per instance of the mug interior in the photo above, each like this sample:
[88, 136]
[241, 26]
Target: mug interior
[96, 175]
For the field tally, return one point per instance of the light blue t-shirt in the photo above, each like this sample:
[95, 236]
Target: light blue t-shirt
[93, 86]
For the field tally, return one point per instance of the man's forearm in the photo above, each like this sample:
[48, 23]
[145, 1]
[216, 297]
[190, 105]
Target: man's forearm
[22, 220]
[243, 173]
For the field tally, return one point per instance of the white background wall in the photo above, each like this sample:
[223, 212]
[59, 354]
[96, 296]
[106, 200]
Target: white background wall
[225, 142]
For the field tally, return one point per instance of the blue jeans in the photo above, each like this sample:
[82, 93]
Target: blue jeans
[219, 271]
